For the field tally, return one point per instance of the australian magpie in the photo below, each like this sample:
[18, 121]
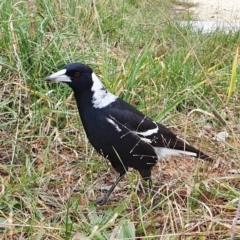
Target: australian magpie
[117, 130]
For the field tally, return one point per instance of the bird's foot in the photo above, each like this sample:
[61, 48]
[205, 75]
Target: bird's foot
[153, 198]
[154, 202]
[101, 201]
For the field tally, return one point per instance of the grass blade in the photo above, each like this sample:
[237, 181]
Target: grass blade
[234, 72]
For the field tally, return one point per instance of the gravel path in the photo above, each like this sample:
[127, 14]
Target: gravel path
[217, 10]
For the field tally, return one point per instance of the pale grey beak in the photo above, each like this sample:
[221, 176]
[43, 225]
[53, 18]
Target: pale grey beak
[59, 76]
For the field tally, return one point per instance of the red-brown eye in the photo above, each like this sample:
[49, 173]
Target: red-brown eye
[76, 74]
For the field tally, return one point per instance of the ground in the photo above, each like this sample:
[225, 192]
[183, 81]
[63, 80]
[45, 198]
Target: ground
[217, 10]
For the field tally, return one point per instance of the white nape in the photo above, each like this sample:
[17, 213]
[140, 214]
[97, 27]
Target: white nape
[114, 124]
[101, 97]
[162, 152]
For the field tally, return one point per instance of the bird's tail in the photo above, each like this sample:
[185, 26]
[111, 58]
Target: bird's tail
[203, 156]
[198, 154]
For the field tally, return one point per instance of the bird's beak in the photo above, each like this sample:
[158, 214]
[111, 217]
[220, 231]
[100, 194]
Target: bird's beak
[59, 76]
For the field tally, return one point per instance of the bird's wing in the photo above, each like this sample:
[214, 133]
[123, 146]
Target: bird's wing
[131, 121]
[141, 126]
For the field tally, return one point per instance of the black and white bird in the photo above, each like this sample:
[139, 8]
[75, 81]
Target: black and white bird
[117, 130]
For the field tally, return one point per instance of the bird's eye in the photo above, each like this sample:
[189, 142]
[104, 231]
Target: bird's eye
[76, 74]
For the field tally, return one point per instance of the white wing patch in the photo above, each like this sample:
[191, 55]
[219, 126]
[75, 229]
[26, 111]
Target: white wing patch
[114, 124]
[148, 132]
[146, 140]
[162, 152]
[101, 97]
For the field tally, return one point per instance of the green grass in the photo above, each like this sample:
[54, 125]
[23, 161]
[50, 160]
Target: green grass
[49, 173]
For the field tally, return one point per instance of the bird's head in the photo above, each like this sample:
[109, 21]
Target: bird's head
[81, 79]
[76, 75]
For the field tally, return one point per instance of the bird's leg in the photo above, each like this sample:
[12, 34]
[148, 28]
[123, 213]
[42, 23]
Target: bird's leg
[146, 175]
[150, 186]
[150, 196]
[150, 192]
[104, 200]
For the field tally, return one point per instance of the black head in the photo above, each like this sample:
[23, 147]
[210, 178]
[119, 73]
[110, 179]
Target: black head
[76, 75]
[87, 88]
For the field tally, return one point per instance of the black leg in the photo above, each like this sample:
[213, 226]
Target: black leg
[150, 187]
[104, 200]
[146, 175]
[150, 184]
